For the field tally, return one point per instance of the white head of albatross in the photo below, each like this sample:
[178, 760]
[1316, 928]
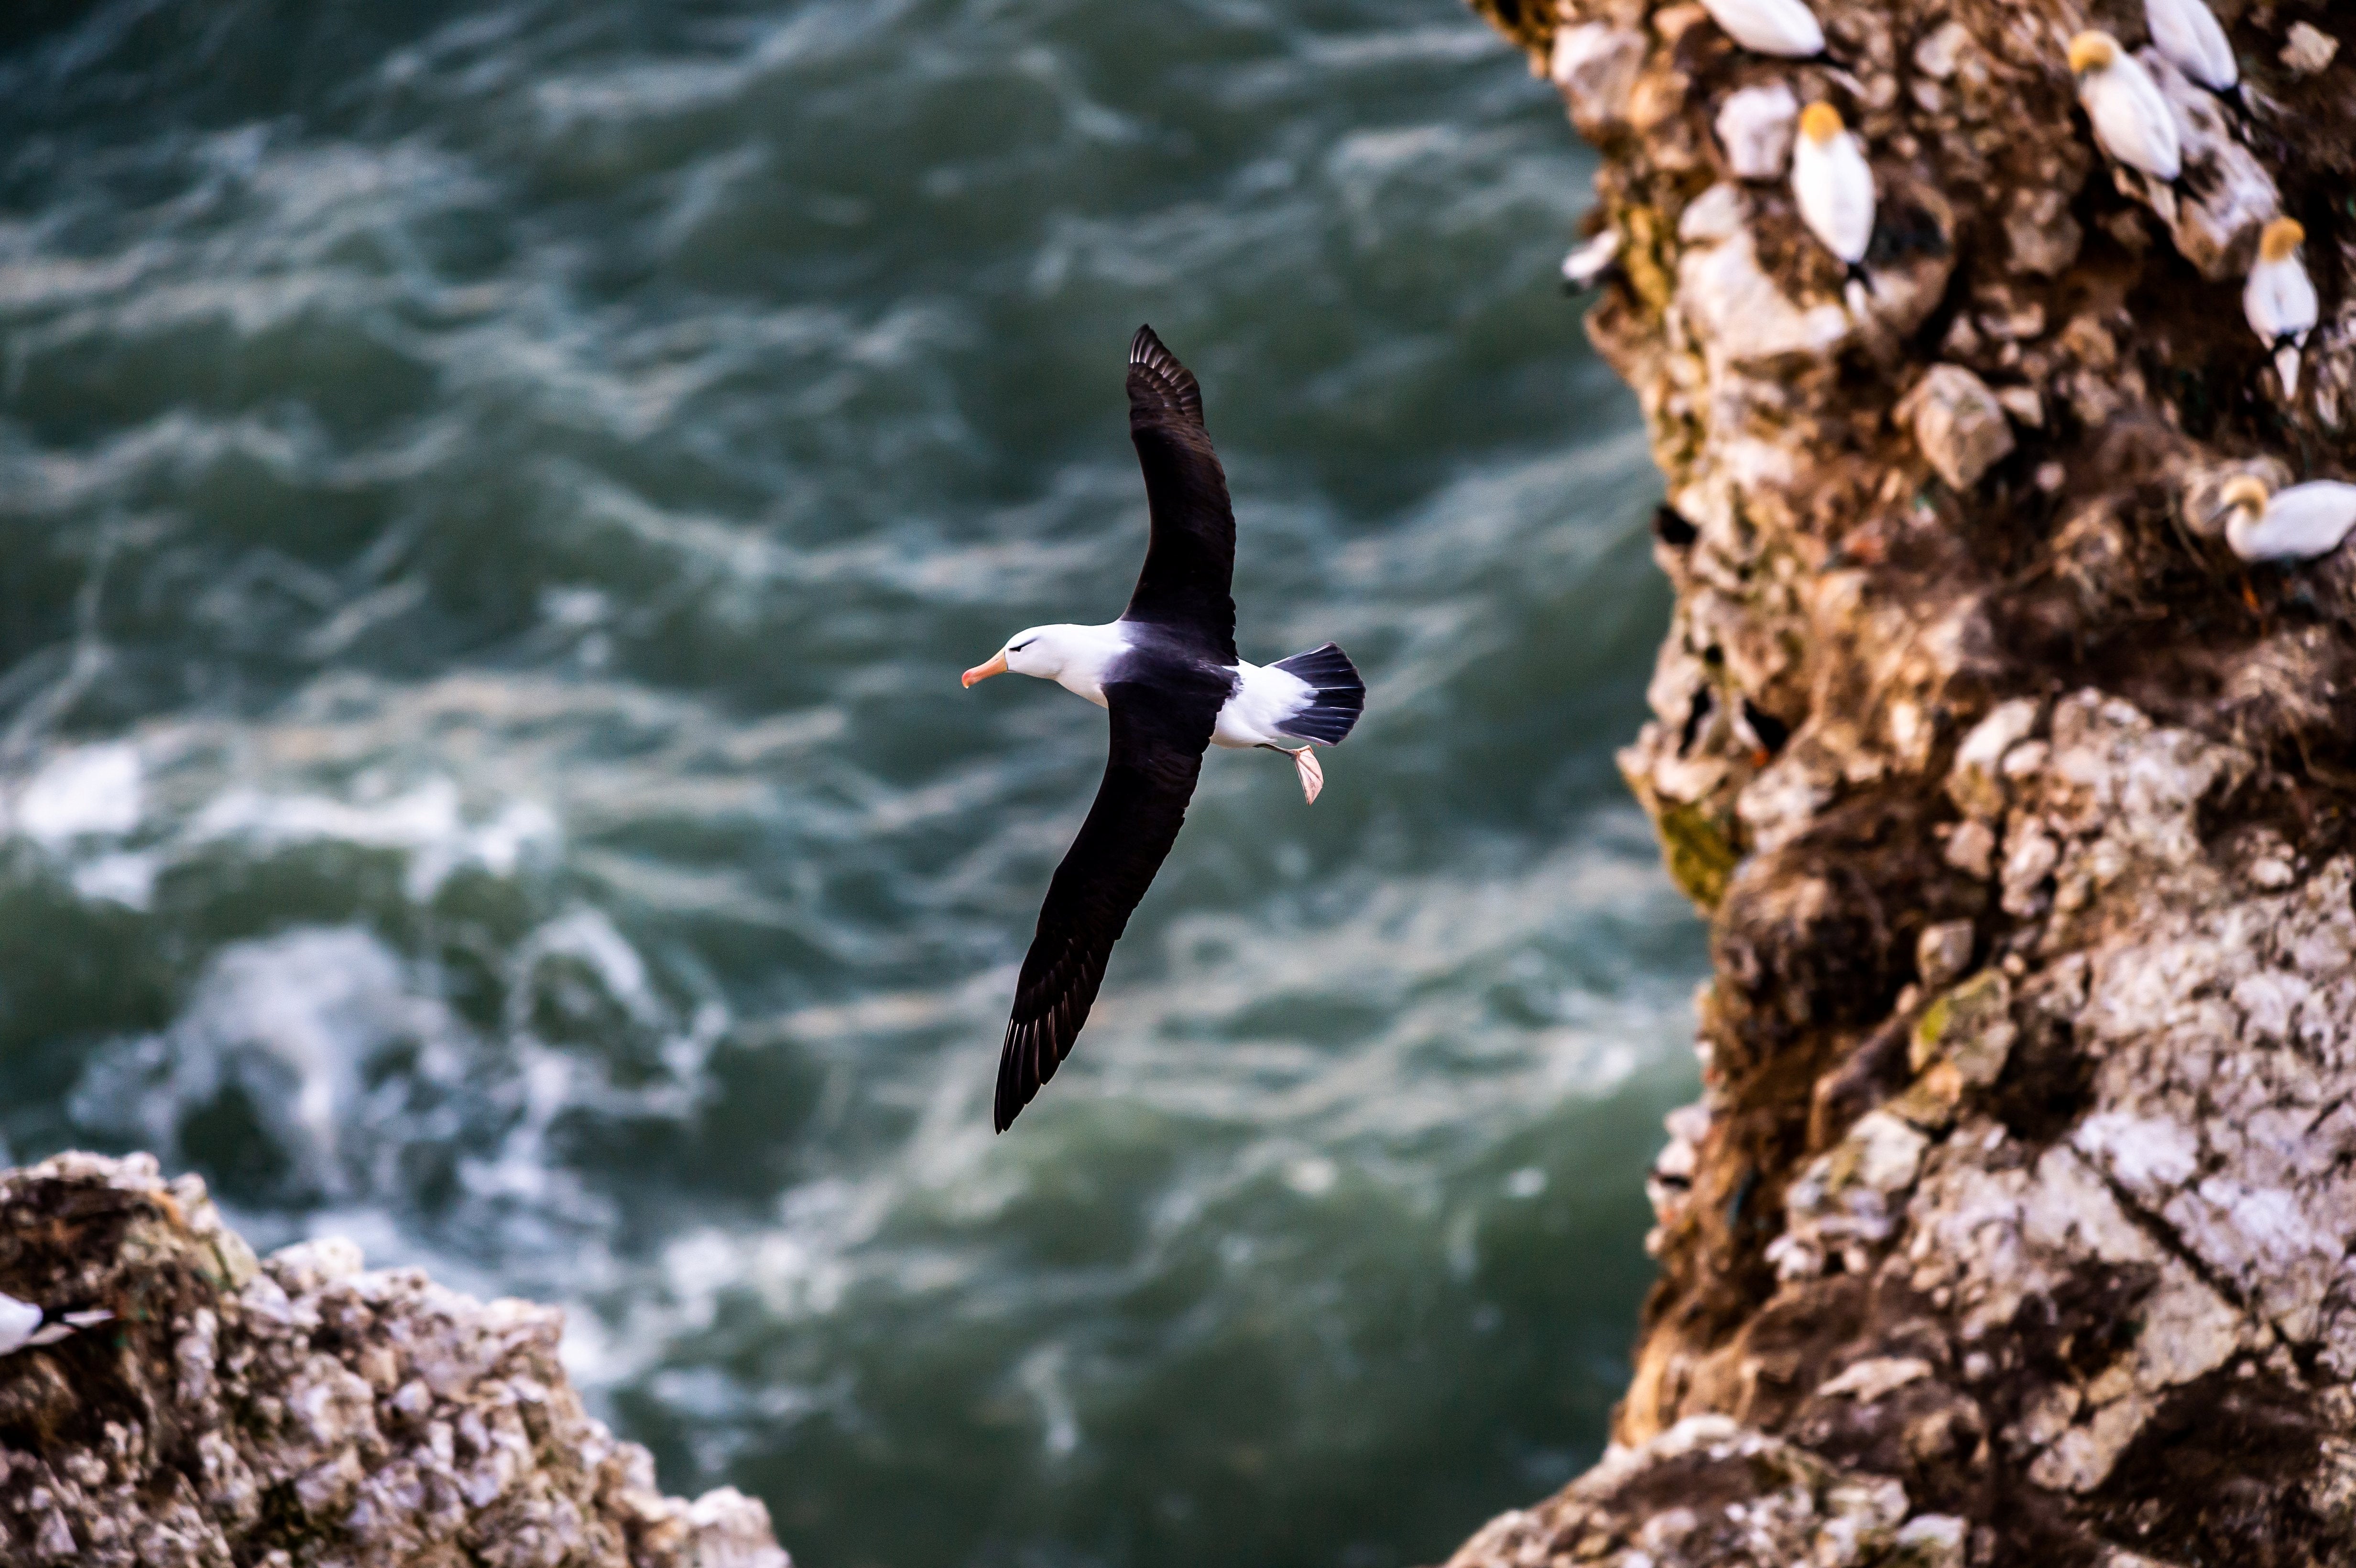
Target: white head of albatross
[2131, 118]
[1168, 673]
[2298, 524]
[2279, 298]
[1073, 658]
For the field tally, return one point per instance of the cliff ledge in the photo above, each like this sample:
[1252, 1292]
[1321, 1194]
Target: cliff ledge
[300, 1409]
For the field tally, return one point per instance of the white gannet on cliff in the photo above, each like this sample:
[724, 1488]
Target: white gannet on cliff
[1168, 674]
[2131, 118]
[1834, 185]
[2279, 298]
[2187, 32]
[2298, 524]
[1785, 28]
[1585, 267]
[22, 1325]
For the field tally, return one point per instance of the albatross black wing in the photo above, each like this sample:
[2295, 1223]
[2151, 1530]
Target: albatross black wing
[1159, 730]
[1190, 565]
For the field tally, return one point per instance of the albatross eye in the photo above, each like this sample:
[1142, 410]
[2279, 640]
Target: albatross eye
[1018, 648]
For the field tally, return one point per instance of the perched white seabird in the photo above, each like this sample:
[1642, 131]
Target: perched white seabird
[1786, 27]
[1585, 267]
[2131, 119]
[1168, 674]
[2298, 524]
[2280, 298]
[22, 1325]
[1834, 185]
[19, 1322]
[2187, 32]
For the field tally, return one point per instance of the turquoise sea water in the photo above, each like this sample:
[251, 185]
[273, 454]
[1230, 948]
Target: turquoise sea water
[494, 500]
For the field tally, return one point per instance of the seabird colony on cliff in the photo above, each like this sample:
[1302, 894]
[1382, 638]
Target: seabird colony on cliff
[1168, 674]
[2135, 125]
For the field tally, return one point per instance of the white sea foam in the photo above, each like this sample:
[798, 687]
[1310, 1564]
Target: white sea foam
[83, 793]
[427, 822]
[292, 1020]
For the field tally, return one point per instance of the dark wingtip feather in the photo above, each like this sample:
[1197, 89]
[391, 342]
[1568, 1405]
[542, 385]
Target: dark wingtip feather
[1034, 1047]
[1151, 358]
[1010, 1097]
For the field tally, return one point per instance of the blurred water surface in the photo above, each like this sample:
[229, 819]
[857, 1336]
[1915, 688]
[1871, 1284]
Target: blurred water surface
[494, 498]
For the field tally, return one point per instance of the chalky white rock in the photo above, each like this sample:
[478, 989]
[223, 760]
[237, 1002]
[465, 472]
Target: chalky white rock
[2298, 524]
[1755, 126]
[1785, 28]
[2279, 298]
[2187, 33]
[2130, 115]
[1834, 185]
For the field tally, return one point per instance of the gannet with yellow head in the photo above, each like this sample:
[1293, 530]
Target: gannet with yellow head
[2279, 298]
[2298, 524]
[2131, 118]
[1834, 186]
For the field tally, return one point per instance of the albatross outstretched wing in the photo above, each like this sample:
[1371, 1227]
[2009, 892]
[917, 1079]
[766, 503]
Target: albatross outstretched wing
[1159, 732]
[1190, 565]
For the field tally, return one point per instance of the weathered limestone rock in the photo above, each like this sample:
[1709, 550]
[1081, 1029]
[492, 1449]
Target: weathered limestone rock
[2309, 49]
[1709, 1492]
[1595, 67]
[1755, 126]
[2013, 1226]
[1958, 423]
[302, 1409]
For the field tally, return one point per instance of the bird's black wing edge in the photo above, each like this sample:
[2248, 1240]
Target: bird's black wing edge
[1158, 734]
[1187, 580]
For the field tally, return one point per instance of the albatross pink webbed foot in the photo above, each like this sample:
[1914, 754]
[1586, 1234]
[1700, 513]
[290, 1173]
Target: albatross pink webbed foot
[1312, 774]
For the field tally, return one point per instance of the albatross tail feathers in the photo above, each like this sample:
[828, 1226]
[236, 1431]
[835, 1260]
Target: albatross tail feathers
[1341, 695]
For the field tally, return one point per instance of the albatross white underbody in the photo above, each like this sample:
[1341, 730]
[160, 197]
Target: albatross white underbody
[1168, 674]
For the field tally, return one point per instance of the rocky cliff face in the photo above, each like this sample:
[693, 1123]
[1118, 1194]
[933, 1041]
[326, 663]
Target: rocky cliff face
[301, 1409]
[2014, 1226]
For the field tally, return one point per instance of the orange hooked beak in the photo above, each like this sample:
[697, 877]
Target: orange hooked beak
[997, 665]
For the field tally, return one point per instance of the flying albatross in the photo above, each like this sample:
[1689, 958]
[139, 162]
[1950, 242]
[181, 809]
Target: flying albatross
[1168, 674]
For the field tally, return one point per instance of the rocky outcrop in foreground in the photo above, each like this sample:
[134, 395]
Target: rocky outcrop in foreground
[300, 1409]
[2014, 1225]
